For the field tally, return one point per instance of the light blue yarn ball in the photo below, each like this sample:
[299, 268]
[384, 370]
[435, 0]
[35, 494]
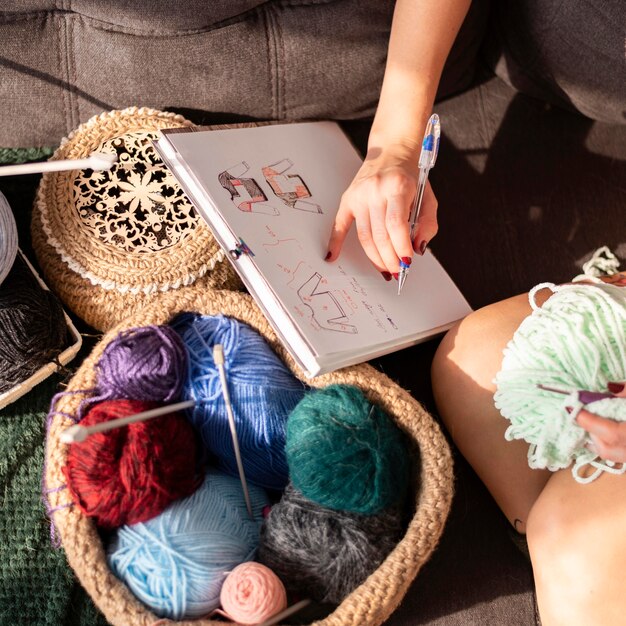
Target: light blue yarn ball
[262, 390]
[176, 562]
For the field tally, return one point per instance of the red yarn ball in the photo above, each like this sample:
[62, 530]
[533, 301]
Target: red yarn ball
[131, 474]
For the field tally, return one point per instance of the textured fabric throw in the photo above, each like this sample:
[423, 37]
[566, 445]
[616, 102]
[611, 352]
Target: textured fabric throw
[22, 155]
[38, 587]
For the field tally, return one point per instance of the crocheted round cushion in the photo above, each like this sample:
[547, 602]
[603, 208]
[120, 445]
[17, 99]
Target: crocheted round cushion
[109, 241]
[369, 604]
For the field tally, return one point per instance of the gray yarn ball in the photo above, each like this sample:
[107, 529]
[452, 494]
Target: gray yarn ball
[321, 553]
[8, 238]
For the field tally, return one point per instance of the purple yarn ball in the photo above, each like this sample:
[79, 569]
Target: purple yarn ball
[147, 363]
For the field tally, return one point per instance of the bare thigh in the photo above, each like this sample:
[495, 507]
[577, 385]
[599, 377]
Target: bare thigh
[463, 370]
[578, 549]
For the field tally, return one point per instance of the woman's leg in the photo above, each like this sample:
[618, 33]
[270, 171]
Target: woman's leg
[576, 533]
[463, 370]
[577, 541]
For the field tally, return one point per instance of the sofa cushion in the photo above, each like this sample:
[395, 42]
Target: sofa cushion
[568, 53]
[277, 60]
[140, 15]
[64, 62]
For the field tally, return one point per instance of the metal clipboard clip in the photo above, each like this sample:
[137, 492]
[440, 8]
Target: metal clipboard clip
[239, 249]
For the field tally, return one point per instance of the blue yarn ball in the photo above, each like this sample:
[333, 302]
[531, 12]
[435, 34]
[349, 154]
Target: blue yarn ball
[262, 390]
[345, 453]
[176, 562]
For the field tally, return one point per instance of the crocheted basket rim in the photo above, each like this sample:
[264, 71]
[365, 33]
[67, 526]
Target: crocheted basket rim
[368, 605]
[105, 263]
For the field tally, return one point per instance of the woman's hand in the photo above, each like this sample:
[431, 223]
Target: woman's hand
[608, 437]
[379, 200]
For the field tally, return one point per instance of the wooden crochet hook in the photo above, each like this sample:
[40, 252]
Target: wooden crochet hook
[97, 161]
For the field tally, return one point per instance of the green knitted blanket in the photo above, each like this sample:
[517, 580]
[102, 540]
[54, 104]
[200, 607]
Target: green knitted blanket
[37, 586]
[21, 155]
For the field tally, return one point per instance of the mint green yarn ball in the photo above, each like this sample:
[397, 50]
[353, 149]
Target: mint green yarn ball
[575, 341]
[345, 453]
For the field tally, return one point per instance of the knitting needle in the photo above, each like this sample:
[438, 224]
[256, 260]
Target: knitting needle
[218, 358]
[78, 433]
[97, 161]
[290, 610]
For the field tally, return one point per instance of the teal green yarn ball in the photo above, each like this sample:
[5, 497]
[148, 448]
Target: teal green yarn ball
[345, 453]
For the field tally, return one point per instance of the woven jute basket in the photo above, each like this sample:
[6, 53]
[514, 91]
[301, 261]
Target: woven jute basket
[109, 242]
[375, 599]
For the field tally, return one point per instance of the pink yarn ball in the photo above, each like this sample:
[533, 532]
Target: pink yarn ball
[252, 593]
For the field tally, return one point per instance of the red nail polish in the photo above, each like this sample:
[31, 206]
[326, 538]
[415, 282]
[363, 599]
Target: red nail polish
[616, 387]
[423, 247]
[395, 276]
[569, 409]
[266, 510]
[386, 276]
[406, 260]
[328, 255]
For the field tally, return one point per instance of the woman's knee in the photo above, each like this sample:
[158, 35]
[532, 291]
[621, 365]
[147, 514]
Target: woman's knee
[471, 352]
[577, 552]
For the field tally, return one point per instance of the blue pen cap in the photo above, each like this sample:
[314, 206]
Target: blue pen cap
[430, 145]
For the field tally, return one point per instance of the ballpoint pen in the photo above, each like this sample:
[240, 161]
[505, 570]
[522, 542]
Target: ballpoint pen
[428, 156]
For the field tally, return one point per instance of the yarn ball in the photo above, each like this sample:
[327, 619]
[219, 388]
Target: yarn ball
[131, 474]
[8, 238]
[147, 363]
[252, 593]
[575, 341]
[262, 390]
[321, 553]
[33, 329]
[346, 453]
[177, 562]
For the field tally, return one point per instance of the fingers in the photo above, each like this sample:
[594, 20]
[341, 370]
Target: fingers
[618, 389]
[400, 192]
[367, 206]
[608, 436]
[341, 227]
[380, 204]
[600, 427]
[343, 221]
[427, 225]
[366, 237]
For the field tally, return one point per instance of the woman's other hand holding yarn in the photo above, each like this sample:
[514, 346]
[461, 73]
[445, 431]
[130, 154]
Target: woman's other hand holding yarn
[608, 437]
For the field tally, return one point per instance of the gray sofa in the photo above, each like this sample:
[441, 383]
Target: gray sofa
[527, 192]
[63, 61]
